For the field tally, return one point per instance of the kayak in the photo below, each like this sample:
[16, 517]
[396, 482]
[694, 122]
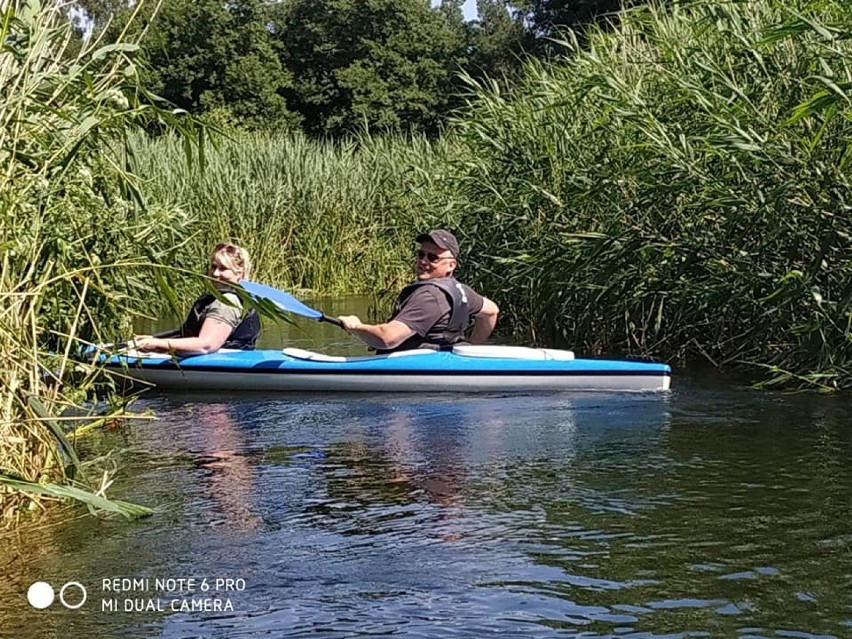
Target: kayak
[465, 368]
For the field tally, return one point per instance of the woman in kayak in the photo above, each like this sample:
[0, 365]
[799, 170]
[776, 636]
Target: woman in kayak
[213, 323]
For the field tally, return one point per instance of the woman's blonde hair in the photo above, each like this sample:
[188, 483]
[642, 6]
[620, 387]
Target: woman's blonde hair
[233, 257]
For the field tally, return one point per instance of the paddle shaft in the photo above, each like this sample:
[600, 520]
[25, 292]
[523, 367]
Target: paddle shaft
[331, 320]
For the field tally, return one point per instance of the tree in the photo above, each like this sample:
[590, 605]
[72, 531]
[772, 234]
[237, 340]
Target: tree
[209, 55]
[386, 64]
[549, 16]
[498, 39]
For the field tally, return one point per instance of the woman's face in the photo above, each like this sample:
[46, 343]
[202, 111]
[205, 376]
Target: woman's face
[221, 270]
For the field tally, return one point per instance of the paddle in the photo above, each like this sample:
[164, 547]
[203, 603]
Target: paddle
[282, 300]
[286, 302]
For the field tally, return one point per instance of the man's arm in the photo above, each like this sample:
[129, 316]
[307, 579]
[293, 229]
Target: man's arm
[484, 322]
[382, 336]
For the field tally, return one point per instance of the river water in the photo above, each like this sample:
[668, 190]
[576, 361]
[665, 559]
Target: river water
[710, 511]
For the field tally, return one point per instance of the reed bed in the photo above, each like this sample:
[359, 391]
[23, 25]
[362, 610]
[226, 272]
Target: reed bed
[332, 217]
[678, 186]
[76, 245]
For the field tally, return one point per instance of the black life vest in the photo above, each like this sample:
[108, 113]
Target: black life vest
[436, 337]
[243, 337]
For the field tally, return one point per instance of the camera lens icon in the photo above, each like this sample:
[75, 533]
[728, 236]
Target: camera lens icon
[72, 595]
[40, 595]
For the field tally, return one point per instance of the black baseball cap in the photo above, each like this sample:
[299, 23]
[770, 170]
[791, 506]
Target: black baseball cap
[442, 239]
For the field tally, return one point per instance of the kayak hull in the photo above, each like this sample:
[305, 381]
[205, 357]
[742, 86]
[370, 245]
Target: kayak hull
[490, 369]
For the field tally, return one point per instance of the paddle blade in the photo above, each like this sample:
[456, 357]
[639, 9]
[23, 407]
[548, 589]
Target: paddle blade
[281, 299]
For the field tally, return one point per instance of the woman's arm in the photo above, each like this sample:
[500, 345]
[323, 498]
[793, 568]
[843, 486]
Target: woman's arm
[210, 339]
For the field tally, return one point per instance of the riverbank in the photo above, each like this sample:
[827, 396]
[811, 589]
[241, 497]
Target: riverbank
[79, 248]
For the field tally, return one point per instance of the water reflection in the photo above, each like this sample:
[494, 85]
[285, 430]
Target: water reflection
[707, 512]
[421, 457]
[230, 475]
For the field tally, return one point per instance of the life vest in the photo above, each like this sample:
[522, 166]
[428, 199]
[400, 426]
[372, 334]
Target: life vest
[243, 337]
[456, 325]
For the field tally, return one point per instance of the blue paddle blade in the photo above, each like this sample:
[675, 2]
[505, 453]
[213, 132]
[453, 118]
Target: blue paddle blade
[283, 300]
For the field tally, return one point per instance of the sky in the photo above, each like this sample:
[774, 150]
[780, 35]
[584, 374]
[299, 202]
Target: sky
[469, 8]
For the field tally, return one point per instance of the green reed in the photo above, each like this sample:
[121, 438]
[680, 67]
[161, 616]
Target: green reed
[76, 244]
[335, 218]
[678, 186]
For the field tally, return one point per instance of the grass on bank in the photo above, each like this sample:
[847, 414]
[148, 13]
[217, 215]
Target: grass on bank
[76, 242]
[680, 187]
[331, 217]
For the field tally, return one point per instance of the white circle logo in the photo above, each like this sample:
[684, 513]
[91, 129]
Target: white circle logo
[40, 595]
[72, 606]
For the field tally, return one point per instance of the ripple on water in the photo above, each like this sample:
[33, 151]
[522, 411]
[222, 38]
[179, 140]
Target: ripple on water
[702, 513]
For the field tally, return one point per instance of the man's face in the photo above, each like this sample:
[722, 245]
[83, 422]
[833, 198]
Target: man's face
[431, 261]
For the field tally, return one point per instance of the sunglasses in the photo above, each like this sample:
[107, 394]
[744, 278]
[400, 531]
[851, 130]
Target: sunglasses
[433, 259]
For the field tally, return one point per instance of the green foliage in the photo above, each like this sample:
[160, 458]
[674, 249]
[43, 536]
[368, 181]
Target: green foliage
[209, 56]
[379, 64]
[77, 242]
[343, 66]
[548, 17]
[498, 40]
[680, 186]
[334, 218]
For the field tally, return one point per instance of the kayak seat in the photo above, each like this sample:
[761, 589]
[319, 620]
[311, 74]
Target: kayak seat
[300, 353]
[513, 352]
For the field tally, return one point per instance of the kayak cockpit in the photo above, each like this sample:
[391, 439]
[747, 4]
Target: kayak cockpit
[465, 350]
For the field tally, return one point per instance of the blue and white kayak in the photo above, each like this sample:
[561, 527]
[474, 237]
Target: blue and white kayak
[467, 368]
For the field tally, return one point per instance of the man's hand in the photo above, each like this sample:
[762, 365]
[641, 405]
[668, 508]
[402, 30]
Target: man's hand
[380, 336]
[350, 322]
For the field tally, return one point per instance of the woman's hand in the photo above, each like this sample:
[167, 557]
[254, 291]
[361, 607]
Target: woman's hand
[149, 343]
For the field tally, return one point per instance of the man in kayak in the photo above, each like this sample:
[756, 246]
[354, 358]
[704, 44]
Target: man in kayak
[434, 311]
[213, 323]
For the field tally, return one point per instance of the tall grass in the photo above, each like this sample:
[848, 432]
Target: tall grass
[332, 217]
[680, 186]
[76, 243]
